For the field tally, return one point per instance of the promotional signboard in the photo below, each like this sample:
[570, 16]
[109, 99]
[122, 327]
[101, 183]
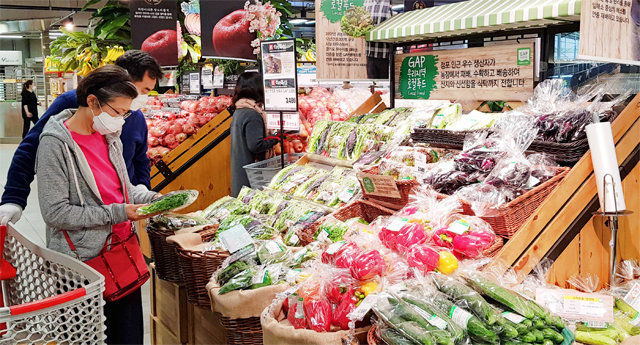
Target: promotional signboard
[498, 72]
[621, 21]
[339, 56]
[279, 75]
[225, 30]
[10, 57]
[153, 29]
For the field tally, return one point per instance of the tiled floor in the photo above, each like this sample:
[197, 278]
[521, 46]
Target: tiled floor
[32, 226]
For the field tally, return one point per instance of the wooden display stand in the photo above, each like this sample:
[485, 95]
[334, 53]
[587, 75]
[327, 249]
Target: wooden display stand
[169, 312]
[564, 228]
[174, 321]
[202, 162]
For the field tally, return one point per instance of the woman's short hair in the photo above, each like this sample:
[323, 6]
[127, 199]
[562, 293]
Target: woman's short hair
[106, 83]
[250, 86]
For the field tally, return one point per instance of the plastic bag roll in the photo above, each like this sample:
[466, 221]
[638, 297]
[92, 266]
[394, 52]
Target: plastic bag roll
[605, 162]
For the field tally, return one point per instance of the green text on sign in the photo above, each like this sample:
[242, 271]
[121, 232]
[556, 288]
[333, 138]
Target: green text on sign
[334, 9]
[418, 76]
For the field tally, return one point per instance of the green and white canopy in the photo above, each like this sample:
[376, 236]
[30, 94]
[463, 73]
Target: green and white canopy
[475, 16]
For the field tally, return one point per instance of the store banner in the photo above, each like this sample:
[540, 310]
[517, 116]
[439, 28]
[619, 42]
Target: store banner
[339, 55]
[153, 29]
[10, 57]
[279, 75]
[225, 30]
[621, 22]
[487, 73]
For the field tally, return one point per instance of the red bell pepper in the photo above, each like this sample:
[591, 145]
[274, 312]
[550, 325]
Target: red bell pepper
[473, 243]
[340, 318]
[409, 235]
[339, 289]
[318, 314]
[345, 256]
[423, 258]
[296, 314]
[443, 237]
[329, 255]
[368, 265]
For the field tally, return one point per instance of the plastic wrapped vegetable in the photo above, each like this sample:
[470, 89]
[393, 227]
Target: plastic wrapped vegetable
[367, 265]
[319, 136]
[446, 115]
[231, 271]
[317, 312]
[172, 201]
[332, 230]
[240, 281]
[340, 314]
[458, 292]
[346, 255]
[270, 252]
[423, 257]
[500, 294]
[296, 314]
[175, 221]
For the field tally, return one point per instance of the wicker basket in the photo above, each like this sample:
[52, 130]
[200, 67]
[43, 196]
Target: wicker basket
[495, 247]
[164, 253]
[507, 219]
[405, 187]
[364, 209]
[372, 336]
[243, 331]
[197, 264]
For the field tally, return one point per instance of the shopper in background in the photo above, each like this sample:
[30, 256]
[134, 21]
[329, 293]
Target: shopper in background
[248, 129]
[29, 106]
[377, 52]
[145, 71]
[83, 187]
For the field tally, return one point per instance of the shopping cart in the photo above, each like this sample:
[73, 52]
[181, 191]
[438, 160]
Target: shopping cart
[53, 298]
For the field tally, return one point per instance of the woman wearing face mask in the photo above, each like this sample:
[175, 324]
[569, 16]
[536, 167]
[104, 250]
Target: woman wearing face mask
[83, 187]
[29, 106]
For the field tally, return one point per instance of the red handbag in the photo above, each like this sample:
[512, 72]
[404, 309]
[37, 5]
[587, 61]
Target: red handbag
[122, 265]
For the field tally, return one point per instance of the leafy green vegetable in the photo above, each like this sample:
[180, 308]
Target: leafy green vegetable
[231, 271]
[170, 202]
[356, 22]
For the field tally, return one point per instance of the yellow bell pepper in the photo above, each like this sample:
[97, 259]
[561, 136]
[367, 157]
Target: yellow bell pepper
[447, 263]
[369, 287]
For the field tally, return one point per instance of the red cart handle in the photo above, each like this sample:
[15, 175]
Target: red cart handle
[47, 302]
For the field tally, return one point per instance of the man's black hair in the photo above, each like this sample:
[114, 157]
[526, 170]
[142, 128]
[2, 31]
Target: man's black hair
[137, 63]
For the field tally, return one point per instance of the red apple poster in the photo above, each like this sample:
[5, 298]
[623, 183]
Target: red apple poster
[225, 30]
[153, 29]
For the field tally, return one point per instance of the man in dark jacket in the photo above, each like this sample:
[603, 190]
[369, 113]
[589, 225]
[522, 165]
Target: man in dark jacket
[145, 72]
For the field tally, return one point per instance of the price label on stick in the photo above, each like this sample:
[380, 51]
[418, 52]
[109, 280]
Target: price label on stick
[279, 75]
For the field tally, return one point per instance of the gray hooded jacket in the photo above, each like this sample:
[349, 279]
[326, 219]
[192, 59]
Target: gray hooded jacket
[68, 193]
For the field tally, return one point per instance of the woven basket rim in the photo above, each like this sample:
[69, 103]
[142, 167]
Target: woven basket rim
[561, 173]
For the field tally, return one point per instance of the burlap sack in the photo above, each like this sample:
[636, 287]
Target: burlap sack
[276, 330]
[635, 340]
[242, 304]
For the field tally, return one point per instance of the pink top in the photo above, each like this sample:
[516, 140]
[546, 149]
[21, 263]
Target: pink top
[96, 150]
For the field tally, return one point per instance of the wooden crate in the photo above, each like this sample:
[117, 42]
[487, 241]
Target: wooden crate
[169, 309]
[202, 162]
[205, 327]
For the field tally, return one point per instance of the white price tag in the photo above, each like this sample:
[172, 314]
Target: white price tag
[299, 310]
[334, 247]
[460, 316]
[587, 306]
[364, 307]
[459, 227]
[513, 317]
[436, 321]
[633, 296]
[273, 247]
[577, 306]
[291, 277]
[294, 239]
[346, 195]
[323, 236]
[235, 238]
[533, 181]
[396, 224]
[597, 324]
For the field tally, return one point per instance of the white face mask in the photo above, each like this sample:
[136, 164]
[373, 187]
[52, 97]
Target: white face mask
[105, 123]
[139, 102]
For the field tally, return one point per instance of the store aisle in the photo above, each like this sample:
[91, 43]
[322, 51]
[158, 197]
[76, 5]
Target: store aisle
[32, 226]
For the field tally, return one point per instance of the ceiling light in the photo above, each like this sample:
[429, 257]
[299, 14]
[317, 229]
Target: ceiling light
[10, 36]
[298, 21]
[68, 24]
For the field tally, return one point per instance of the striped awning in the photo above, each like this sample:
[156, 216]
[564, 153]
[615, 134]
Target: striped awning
[475, 16]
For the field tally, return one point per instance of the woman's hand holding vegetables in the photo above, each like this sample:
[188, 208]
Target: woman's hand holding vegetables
[132, 212]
